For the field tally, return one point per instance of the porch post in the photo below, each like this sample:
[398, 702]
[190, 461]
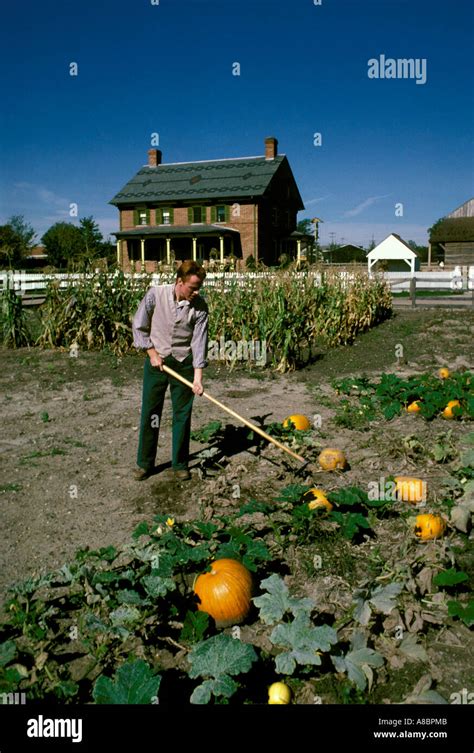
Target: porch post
[298, 251]
[168, 251]
[142, 248]
[429, 255]
[221, 247]
[194, 249]
[118, 253]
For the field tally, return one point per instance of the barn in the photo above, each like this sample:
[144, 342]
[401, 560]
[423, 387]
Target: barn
[452, 237]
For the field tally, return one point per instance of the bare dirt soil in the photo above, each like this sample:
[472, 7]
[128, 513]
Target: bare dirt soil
[69, 438]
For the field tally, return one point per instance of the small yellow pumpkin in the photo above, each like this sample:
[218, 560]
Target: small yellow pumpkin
[444, 373]
[225, 592]
[429, 526]
[300, 422]
[279, 693]
[410, 489]
[448, 411]
[330, 459]
[317, 499]
[414, 407]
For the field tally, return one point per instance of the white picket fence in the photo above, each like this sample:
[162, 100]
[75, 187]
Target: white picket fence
[461, 278]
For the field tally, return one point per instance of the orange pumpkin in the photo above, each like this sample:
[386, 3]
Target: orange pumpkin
[410, 489]
[317, 498]
[414, 407]
[225, 592]
[444, 373]
[330, 459]
[448, 411]
[429, 526]
[300, 422]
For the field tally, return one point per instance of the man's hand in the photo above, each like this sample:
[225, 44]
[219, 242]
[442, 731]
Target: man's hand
[198, 389]
[155, 359]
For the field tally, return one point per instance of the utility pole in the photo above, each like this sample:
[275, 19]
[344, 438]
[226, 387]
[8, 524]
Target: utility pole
[316, 221]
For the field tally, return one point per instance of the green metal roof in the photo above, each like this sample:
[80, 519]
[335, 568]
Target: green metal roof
[201, 181]
[171, 231]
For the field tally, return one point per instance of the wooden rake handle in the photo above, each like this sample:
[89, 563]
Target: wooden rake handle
[236, 415]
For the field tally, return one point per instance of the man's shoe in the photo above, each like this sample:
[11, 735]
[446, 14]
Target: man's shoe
[182, 475]
[140, 474]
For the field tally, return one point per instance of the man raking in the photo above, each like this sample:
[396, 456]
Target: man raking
[171, 325]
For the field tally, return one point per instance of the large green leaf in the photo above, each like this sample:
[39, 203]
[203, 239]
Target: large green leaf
[220, 686]
[274, 604]
[304, 640]
[357, 664]
[450, 577]
[156, 586]
[134, 683]
[221, 655]
[465, 612]
[125, 616]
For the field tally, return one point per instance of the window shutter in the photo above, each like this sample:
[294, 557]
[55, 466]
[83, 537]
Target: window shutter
[171, 216]
[147, 216]
[159, 215]
[135, 217]
[227, 213]
[203, 214]
[213, 214]
[190, 215]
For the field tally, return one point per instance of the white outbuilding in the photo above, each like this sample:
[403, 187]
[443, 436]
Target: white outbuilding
[395, 249]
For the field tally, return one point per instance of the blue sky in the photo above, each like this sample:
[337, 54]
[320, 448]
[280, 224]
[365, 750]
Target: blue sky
[168, 69]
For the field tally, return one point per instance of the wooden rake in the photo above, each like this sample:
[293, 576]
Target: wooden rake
[243, 420]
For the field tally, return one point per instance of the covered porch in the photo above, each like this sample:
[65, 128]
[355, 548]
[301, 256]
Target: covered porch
[150, 247]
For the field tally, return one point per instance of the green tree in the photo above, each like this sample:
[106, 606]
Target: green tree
[92, 240]
[305, 226]
[16, 240]
[420, 251]
[64, 244]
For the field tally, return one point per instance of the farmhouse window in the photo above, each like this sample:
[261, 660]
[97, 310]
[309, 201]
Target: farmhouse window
[142, 217]
[197, 214]
[167, 216]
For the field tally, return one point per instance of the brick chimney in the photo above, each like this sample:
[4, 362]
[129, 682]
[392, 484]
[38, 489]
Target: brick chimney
[271, 147]
[154, 157]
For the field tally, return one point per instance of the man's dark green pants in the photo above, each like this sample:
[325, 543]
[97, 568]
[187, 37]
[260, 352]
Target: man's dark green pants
[155, 383]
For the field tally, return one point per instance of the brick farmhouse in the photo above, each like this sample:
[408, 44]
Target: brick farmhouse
[209, 210]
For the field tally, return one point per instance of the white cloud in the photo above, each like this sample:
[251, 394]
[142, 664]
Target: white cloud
[364, 205]
[317, 200]
[42, 194]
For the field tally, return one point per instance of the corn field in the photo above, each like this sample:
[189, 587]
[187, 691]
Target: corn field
[291, 315]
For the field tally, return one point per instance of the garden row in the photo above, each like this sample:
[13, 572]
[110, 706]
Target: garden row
[290, 315]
